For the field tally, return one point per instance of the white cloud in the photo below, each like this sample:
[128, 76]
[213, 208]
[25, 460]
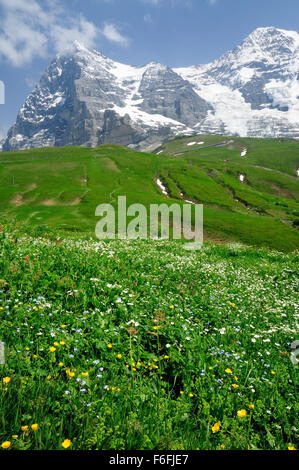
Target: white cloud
[20, 38]
[30, 29]
[173, 3]
[79, 29]
[3, 132]
[31, 82]
[111, 32]
[148, 18]
[153, 2]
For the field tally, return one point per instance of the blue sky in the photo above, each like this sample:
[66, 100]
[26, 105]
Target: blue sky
[173, 32]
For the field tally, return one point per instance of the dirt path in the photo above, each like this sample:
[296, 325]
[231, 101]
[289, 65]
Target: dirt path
[220, 144]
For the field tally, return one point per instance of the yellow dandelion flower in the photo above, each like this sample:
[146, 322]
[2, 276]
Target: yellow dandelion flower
[15, 436]
[60, 364]
[52, 349]
[235, 385]
[109, 346]
[86, 374]
[6, 380]
[24, 428]
[242, 413]
[292, 448]
[62, 342]
[228, 371]
[216, 427]
[119, 356]
[191, 395]
[5, 445]
[251, 406]
[66, 443]
[34, 427]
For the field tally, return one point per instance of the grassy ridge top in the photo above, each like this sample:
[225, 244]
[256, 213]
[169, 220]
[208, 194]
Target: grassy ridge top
[61, 187]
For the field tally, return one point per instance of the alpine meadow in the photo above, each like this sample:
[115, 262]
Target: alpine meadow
[139, 343]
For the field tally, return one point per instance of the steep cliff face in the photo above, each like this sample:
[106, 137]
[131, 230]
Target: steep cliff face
[84, 98]
[164, 92]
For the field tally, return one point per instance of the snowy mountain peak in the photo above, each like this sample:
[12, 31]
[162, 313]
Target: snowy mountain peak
[85, 98]
[265, 32]
[82, 54]
[273, 40]
[79, 47]
[156, 66]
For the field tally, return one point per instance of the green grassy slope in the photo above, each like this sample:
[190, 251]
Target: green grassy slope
[61, 187]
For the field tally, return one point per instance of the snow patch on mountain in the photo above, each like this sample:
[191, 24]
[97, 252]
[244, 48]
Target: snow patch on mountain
[152, 120]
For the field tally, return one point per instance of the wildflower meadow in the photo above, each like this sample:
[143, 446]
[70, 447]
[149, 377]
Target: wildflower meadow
[143, 345]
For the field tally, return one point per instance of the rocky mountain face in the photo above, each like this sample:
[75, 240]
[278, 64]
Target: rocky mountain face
[254, 89]
[165, 92]
[84, 98]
